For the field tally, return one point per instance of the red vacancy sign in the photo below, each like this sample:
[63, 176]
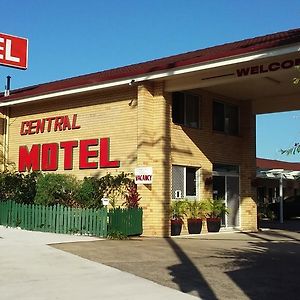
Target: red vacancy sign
[13, 51]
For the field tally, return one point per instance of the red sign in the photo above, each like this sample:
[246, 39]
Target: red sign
[13, 51]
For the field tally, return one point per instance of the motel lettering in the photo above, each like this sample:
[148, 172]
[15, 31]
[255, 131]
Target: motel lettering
[45, 157]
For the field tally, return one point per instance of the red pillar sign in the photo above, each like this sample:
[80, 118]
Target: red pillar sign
[13, 51]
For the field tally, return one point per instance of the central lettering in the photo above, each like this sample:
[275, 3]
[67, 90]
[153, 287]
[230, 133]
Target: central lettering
[58, 123]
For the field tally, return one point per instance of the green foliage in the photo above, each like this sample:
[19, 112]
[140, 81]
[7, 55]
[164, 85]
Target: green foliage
[89, 194]
[215, 208]
[51, 189]
[18, 187]
[194, 209]
[117, 235]
[54, 189]
[114, 187]
[292, 150]
[264, 211]
[93, 189]
[177, 210]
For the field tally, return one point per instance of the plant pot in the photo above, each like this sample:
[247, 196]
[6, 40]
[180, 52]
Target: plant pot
[213, 224]
[194, 226]
[176, 226]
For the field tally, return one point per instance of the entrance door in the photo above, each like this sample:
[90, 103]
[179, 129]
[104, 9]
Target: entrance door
[226, 186]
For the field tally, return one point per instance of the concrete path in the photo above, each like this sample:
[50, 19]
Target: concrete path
[30, 269]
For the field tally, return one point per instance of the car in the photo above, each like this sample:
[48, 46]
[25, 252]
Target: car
[291, 207]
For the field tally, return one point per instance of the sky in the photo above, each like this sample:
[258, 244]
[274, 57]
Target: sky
[70, 37]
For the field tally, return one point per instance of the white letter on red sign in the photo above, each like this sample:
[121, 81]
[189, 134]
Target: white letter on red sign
[8, 55]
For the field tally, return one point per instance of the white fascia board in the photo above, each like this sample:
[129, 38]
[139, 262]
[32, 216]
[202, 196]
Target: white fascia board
[163, 74]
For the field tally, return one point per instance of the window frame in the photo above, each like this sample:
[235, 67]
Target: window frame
[226, 124]
[185, 115]
[197, 183]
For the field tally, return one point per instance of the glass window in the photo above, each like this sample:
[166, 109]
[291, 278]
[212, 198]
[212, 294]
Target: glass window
[178, 108]
[191, 182]
[185, 109]
[184, 182]
[218, 116]
[225, 118]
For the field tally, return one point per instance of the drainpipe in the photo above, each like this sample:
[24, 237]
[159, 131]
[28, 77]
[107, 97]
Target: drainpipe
[6, 125]
[6, 137]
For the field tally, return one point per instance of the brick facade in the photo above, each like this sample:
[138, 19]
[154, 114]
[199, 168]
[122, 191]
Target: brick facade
[137, 119]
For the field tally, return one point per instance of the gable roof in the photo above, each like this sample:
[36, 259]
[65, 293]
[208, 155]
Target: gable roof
[168, 63]
[268, 164]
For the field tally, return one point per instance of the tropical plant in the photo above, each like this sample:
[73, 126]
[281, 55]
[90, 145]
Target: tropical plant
[177, 211]
[132, 196]
[194, 209]
[114, 187]
[215, 208]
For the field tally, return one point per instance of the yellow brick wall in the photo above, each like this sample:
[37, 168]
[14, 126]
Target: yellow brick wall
[203, 147]
[103, 114]
[154, 150]
[138, 122]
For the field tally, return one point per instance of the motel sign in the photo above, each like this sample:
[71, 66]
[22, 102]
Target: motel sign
[13, 51]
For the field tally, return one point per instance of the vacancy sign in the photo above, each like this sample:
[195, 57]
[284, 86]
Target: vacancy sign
[143, 175]
[13, 51]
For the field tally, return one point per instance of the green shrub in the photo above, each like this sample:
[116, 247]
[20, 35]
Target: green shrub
[57, 189]
[117, 235]
[90, 194]
[18, 187]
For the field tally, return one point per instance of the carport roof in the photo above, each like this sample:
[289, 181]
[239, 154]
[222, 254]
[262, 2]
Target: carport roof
[268, 164]
[163, 64]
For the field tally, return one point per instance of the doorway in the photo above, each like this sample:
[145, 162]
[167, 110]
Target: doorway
[226, 185]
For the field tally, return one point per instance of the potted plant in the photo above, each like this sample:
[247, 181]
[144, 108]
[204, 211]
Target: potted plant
[177, 214]
[194, 211]
[215, 208]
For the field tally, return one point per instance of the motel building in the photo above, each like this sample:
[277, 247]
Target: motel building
[187, 120]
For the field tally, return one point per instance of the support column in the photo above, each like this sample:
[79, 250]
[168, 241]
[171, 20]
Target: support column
[248, 168]
[154, 150]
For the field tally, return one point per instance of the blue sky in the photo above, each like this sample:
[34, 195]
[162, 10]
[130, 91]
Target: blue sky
[71, 37]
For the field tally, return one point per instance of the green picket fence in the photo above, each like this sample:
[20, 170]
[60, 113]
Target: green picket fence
[57, 218]
[61, 219]
[128, 221]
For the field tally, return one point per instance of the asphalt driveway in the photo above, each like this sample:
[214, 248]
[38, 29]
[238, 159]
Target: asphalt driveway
[264, 265]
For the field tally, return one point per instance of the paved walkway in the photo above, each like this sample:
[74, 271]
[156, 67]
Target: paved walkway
[31, 270]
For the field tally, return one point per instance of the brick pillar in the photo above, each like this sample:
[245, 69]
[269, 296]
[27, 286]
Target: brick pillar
[248, 168]
[154, 150]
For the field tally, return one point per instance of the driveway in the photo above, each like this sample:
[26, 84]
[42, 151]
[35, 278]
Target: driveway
[264, 265]
[30, 269]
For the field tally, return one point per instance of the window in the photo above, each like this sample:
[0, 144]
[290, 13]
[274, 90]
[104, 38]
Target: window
[184, 182]
[185, 109]
[226, 118]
